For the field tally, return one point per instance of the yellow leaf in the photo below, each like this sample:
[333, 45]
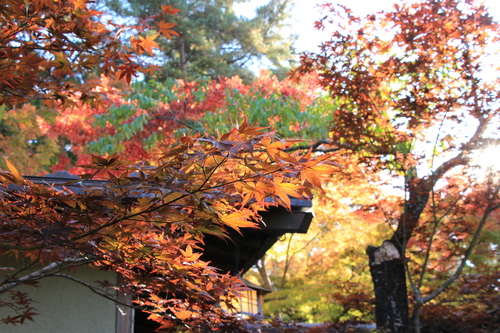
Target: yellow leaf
[324, 169]
[291, 189]
[310, 175]
[238, 220]
[283, 196]
[287, 157]
[189, 255]
[14, 171]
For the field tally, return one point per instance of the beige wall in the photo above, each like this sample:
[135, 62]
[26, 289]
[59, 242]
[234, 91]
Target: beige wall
[67, 307]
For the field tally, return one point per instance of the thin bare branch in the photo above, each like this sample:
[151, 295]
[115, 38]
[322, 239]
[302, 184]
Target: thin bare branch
[42, 272]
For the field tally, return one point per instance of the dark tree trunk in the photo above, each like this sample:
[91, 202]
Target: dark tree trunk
[387, 263]
[389, 281]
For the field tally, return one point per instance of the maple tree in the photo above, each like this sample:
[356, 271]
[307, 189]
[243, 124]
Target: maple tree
[151, 116]
[407, 81]
[322, 276]
[143, 222]
[50, 50]
[147, 222]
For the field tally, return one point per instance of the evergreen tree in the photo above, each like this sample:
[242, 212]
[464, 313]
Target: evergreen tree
[214, 41]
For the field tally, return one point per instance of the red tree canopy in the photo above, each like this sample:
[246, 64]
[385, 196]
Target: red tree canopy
[51, 50]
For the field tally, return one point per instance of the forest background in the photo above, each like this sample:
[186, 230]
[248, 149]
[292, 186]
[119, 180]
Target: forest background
[323, 276]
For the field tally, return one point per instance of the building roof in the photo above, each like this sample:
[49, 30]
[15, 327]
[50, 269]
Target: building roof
[239, 253]
[242, 251]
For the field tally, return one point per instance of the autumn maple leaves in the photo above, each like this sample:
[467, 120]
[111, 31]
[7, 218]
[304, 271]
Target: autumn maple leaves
[49, 46]
[148, 219]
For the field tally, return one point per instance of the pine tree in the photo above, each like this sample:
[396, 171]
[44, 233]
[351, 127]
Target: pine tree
[214, 41]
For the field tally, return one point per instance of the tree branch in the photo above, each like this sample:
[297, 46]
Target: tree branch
[42, 272]
[468, 253]
[314, 147]
[94, 290]
[460, 159]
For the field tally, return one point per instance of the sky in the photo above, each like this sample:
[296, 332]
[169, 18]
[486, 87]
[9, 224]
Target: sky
[305, 13]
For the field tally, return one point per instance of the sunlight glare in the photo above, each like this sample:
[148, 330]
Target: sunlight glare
[487, 159]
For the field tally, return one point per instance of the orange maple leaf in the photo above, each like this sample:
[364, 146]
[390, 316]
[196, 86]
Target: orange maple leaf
[183, 314]
[150, 69]
[169, 10]
[164, 28]
[237, 220]
[147, 44]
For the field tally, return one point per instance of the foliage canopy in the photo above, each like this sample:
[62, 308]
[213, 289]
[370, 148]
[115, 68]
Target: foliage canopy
[147, 223]
[213, 41]
[407, 82]
[49, 49]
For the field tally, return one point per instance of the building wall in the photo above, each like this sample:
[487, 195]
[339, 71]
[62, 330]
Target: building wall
[65, 306]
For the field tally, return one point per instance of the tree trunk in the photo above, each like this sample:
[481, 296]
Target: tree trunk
[261, 266]
[182, 55]
[389, 281]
